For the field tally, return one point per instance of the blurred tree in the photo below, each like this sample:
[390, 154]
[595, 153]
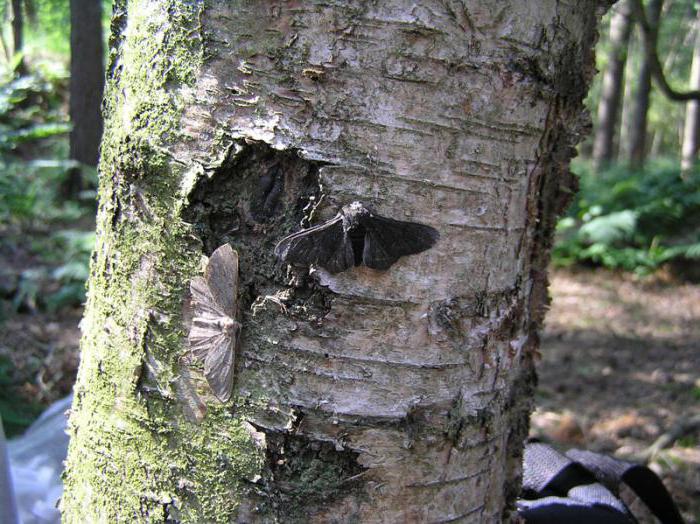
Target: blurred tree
[637, 131]
[18, 35]
[650, 37]
[691, 131]
[86, 86]
[611, 91]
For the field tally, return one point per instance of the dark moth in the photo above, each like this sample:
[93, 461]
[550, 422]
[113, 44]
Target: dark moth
[353, 237]
[215, 332]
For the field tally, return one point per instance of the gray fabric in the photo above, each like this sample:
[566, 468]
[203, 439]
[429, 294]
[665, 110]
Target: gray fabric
[556, 489]
[36, 460]
[8, 506]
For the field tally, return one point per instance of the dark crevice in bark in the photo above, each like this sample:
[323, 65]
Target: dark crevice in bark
[116, 35]
[257, 196]
[302, 474]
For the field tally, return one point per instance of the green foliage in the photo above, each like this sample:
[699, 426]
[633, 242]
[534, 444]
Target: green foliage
[33, 124]
[28, 101]
[635, 220]
[47, 30]
[60, 280]
[14, 414]
[75, 248]
[28, 193]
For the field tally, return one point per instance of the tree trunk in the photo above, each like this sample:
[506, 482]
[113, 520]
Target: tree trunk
[18, 34]
[638, 121]
[691, 130]
[86, 87]
[367, 396]
[611, 91]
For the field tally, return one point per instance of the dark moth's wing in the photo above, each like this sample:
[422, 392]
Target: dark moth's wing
[387, 240]
[219, 365]
[221, 276]
[326, 245]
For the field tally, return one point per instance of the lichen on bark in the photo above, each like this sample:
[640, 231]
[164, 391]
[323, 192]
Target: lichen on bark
[133, 456]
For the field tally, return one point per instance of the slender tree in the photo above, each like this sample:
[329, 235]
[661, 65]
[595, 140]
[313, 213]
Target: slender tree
[396, 395]
[691, 130]
[638, 122]
[650, 43]
[611, 91]
[17, 24]
[86, 87]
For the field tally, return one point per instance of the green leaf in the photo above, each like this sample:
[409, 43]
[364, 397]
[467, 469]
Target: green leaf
[608, 229]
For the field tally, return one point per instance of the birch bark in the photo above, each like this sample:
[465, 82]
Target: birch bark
[366, 396]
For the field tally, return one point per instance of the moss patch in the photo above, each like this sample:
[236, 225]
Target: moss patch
[133, 456]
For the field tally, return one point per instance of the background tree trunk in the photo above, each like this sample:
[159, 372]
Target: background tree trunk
[611, 91]
[18, 34]
[638, 121]
[86, 87]
[365, 396]
[691, 130]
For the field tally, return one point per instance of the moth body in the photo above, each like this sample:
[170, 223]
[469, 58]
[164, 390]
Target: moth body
[353, 216]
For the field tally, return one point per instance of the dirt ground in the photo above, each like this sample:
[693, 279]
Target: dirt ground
[620, 366]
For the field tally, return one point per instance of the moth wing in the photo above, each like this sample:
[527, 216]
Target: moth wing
[204, 334]
[203, 301]
[387, 240]
[326, 245]
[219, 365]
[221, 276]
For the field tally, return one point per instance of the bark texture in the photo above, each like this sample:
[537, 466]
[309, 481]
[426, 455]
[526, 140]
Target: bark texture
[366, 396]
[611, 90]
[86, 87]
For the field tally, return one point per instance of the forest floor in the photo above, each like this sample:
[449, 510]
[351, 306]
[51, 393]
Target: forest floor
[620, 367]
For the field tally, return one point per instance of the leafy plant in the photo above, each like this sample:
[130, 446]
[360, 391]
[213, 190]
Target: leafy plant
[635, 220]
[15, 413]
[75, 248]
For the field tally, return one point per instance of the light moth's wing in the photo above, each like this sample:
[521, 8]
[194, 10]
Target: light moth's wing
[220, 365]
[214, 304]
[203, 335]
[221, 276]
[326, 245]
[203, 303]
[387, 240]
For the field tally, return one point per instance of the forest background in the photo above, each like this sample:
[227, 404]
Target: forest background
[624, 327]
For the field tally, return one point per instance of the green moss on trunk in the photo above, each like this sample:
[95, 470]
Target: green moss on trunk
[133, 456]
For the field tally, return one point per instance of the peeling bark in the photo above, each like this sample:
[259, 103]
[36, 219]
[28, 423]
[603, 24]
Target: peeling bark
[369, 396]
